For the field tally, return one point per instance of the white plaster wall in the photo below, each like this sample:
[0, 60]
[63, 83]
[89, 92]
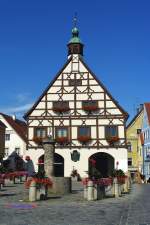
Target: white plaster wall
[15, 140]
[119, 155]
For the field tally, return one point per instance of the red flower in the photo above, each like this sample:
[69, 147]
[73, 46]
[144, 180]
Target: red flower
[40, 161]
[44, 181]
[93, 162]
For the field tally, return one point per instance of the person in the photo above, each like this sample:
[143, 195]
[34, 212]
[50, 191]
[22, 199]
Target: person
[29, 167]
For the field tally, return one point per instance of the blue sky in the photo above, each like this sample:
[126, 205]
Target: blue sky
[33, 38]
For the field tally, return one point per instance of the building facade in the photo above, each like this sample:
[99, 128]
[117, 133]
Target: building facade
[15, 135]
[146, 138]
[83, 118]
[135, 154]
[2, 140]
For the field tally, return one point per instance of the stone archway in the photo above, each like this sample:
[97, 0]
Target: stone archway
[104, 163]
[58, 165]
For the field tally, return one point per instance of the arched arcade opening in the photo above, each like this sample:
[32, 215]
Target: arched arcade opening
[103, 162]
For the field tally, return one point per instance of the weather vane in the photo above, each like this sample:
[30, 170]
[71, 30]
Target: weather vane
[75, 19]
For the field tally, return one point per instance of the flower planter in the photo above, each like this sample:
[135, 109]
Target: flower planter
[112, 140]
[38, 188]
[90, 108]
[62, 140]
[41, 192]
[84, 139]
[38, 140]
[61, 109]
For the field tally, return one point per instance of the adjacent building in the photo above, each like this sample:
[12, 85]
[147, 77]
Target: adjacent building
[2, 140]
[83, 118]
[146, 141]
[15, 135]
[133, 131]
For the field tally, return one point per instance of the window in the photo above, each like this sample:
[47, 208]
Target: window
[61, 132]
[84, 131]
[62, 135]
[129, 146]
[61, 106]
[40, 132]
[7, 137]
[17, 150]
[148, 153]
[6, 151]
[147, 134]
[90, 105]
[138, 131]
[75, 82]
[129, 161]
[111, 131]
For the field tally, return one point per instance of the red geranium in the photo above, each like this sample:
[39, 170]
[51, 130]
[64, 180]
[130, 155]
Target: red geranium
[92, 161]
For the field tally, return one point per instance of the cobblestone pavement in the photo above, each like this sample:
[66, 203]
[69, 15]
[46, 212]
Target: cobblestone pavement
[130, 209]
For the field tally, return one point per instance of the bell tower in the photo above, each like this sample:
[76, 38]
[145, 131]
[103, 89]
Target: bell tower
[75, 45]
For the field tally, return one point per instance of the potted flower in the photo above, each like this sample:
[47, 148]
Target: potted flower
[90, 107]
[40, 184]
[113, 140]
[74, 175]
[62, 140]
[62, 106]
[38, 140]
[84, 138]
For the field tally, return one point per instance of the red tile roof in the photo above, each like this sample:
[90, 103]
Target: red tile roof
[2, 124]
[147, 107]
[18, 125]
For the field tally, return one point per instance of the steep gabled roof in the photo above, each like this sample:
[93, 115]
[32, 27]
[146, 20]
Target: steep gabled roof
[99, 82]
[147, 107]
[135, 117]
[18, 125]
[51, 83]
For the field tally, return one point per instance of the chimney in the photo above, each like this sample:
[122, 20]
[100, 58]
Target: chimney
[14, 117]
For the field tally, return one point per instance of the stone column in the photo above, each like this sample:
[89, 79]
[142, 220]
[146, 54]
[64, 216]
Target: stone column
[49, 148]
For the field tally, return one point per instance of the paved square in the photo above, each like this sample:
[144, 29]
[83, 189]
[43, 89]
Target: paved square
[130, 209]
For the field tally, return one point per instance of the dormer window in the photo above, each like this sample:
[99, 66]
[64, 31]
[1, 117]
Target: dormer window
[61, 106]
[61, 134]
[111, 134]
[90, 105]
[84, 133]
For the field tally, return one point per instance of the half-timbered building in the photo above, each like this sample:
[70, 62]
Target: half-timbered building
[83, 118]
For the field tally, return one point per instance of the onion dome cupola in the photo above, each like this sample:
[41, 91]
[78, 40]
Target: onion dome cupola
[75, 45]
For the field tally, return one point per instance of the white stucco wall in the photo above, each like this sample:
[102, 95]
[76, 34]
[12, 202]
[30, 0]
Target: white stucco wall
[15, 140]
[119, 155]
